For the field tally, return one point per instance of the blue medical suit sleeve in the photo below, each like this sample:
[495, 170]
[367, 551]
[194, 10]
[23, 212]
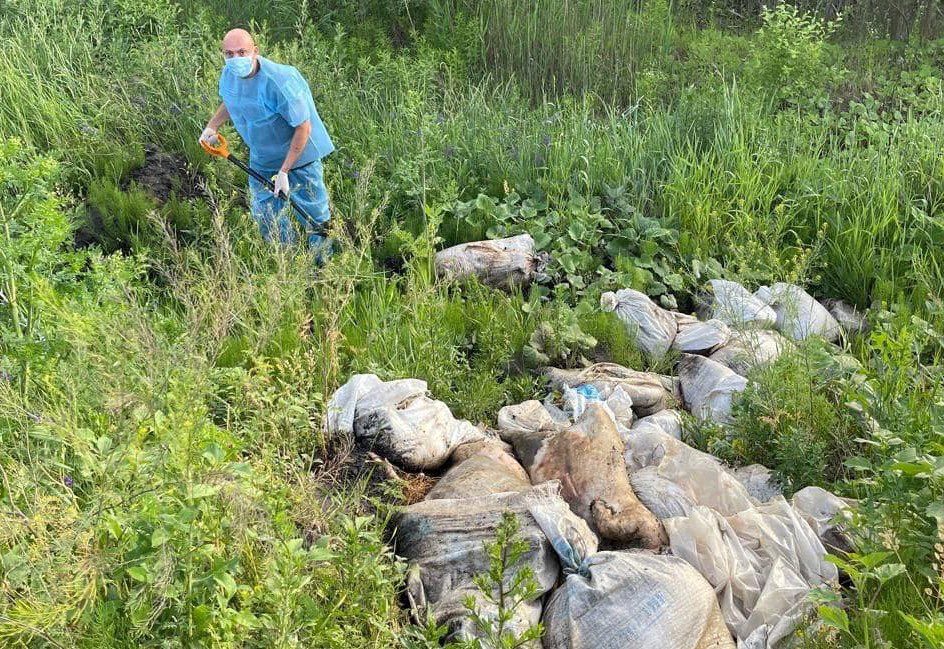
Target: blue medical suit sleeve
[294, 99]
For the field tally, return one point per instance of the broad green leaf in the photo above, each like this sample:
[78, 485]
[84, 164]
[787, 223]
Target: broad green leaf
[213, 453]
[226, 582]
[114, 527]
[872, 559]
[485, 202]
[159, 537]
[936, 511]
[201, 616]
[203, 490]
[889, 571]
[859, 463]
[541, 239]
[912, 469]
[247, 619]
[321, 554]
[834, 617]
[138, 573]
[930, 631]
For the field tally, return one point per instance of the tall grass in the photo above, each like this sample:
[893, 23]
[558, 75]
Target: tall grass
[149, 492]
[739, 183]
[576, 46]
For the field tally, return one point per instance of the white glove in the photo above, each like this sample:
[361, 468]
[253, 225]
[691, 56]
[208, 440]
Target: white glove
[209, 136]
[281, 185]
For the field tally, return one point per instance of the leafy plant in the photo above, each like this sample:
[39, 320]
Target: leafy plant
[559, 341]
[583, 234]
[791, 57]
[869, 574]
[792, 418]
[504, 587]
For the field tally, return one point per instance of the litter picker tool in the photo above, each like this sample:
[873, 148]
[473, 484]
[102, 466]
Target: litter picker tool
[221, 150]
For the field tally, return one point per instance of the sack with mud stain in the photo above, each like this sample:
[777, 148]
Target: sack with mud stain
[481, 468]
[587, 459]
[398, 420]
[444, 542]
[628, 600]
[502, 263]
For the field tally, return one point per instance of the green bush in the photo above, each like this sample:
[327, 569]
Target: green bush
[467, 347]
[791, 57]
[139, 517]
[793, 420]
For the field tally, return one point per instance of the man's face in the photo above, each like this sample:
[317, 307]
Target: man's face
[239, 43]
[229, 53]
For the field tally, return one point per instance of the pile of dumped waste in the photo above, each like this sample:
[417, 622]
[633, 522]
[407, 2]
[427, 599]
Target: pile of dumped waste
[697, 554]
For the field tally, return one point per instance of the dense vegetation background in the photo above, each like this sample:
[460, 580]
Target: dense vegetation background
[163, 478]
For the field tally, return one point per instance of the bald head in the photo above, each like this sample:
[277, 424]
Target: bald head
[237, 38]
[238, 42]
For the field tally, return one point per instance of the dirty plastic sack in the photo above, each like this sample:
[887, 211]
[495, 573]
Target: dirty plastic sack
[701, 337]
[709, 388]
[503, 263]
[570, 544]
[653, 326]
[398, 420]
[649, 392]
[660, 495]
[852, 321]
[799, 316]
[736, 306]
[666, 421]
[827, 514]
[481, 468]
[762, 562]
[443, 541]
[702, 477]
[587, 459]
[634, 600]
[748, 349]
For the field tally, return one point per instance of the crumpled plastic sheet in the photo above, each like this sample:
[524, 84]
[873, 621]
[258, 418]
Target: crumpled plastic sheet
[762, 558]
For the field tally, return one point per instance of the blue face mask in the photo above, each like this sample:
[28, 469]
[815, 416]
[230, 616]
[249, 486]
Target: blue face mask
[241, 66]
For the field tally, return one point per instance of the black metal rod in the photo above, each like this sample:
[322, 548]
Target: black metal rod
[318, 228]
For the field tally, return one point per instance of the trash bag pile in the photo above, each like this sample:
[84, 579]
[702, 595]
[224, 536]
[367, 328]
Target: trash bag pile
[635, 538]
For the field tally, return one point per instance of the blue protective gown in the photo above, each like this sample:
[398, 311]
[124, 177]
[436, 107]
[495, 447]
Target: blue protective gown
[265, 109]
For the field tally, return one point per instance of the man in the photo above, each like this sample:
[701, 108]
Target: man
[273, 111]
